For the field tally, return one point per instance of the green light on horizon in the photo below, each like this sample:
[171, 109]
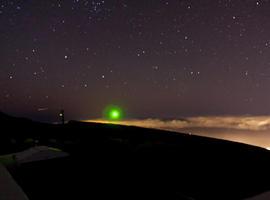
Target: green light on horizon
[113, 113]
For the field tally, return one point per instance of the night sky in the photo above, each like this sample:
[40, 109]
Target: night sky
[154, 58]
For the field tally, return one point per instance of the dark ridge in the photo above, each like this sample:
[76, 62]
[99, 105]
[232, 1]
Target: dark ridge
[5, 118]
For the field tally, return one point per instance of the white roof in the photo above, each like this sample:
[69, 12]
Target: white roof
[39, 153]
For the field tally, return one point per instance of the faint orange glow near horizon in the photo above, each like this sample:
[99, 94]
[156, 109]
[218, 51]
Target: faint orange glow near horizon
[253, 130]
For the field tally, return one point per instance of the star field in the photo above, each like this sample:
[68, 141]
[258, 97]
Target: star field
[155, 58]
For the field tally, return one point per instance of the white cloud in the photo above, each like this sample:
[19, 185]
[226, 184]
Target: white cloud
[254, 130]
[254, 123]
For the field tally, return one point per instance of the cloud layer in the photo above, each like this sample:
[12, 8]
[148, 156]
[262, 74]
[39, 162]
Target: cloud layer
[257, 123]
[253, 130]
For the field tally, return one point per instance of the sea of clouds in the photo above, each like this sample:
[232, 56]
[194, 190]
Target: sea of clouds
[254, 130]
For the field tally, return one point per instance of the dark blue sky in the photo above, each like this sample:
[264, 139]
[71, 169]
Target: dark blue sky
[154, 58]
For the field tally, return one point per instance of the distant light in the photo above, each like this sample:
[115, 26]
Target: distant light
[61, 114]
[113, 113]
[268, 148]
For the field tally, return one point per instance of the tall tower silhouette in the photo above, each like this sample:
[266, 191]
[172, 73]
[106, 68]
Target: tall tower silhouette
[62, 115]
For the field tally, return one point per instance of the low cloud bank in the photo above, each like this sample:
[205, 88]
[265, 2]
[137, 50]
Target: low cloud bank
[254, 130]
[255, 123]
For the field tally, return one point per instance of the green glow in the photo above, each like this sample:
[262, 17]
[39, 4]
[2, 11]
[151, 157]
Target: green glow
[113, 113]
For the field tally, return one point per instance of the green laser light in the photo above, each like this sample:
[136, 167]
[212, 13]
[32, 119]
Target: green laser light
[113, 113]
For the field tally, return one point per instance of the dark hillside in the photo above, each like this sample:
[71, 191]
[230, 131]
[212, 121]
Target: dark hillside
[121, 162]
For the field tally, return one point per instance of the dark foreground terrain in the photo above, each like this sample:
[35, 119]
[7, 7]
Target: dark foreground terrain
[119, 162]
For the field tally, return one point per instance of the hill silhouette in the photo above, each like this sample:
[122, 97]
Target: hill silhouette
[123, 162]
